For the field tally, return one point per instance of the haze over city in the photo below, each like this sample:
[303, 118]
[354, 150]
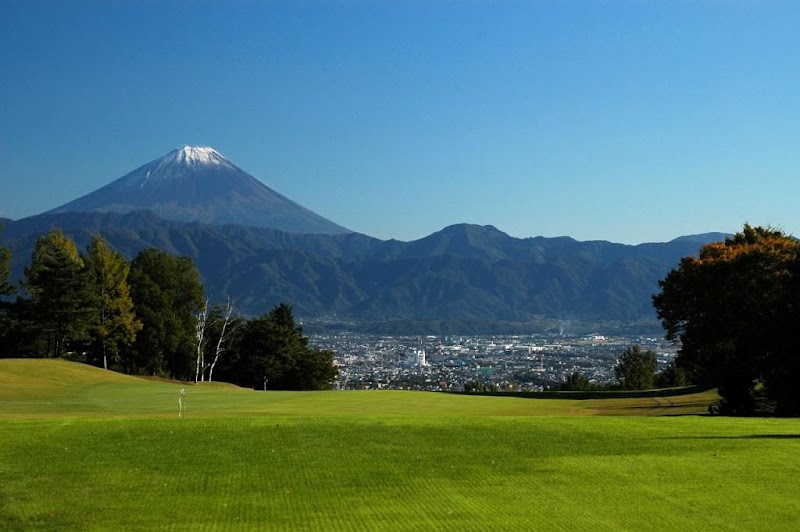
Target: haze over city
[627, 121]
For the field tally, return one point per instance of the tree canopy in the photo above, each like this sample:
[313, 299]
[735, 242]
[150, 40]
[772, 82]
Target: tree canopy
[577, 382]
[60, 300]
[113, 323]
[6, 288]
[733, 310]
[274, 354]
[149, 316]
[636, 369]
[166, 292]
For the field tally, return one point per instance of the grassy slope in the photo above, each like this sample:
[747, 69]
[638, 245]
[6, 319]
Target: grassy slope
[50, 388]
[81, 448]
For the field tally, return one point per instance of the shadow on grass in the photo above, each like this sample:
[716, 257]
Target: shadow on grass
[582, 395]
[666, 406]
[742, 437]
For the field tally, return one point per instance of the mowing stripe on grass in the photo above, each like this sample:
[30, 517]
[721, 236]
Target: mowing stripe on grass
[401, 473]
[94, 450]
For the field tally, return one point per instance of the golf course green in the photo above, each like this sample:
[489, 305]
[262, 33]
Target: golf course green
[86, 449]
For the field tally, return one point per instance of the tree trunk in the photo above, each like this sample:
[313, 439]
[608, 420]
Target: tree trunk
[222, 337]
[200, 330]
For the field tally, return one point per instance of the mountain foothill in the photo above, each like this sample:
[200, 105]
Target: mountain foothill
[253, 244]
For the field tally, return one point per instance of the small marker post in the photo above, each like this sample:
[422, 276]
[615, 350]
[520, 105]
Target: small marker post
[182, 402]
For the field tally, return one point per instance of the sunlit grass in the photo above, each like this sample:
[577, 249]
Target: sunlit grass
[49, 388]
[100, 451]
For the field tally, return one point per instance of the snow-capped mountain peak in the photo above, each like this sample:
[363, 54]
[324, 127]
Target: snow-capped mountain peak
[177, 165]
[188, 157]
[195, 155]
[198, 184]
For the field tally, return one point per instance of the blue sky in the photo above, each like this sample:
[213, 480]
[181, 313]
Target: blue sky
[629, 121]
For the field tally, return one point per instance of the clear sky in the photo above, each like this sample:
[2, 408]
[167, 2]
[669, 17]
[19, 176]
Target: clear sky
[630, 121]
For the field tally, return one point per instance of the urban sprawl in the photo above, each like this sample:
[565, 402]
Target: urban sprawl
[504, 363]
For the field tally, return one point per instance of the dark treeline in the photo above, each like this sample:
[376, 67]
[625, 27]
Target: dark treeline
[149, 316]
[635, 370]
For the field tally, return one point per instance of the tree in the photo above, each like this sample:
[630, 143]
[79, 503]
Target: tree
[576, 382]
[732, 310]
[166, 293]
[114, 322]
[478, 386]
[671, 377]
[636, 369]
[200, 342]
[275, 355]
[228, 325]
[61, 304]
[783, 362]
[6, 288]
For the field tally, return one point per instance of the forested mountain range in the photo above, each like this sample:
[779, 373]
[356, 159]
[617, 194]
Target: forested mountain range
[463, 272]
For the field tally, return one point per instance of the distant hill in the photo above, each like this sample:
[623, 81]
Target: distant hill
[703, 238]
[198, 184]
[463, 272]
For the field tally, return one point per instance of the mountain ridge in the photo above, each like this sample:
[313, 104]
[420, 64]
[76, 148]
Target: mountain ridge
[463, 272]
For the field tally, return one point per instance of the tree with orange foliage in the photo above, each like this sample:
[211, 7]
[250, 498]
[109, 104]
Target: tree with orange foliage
[114, 323]
[732, 310]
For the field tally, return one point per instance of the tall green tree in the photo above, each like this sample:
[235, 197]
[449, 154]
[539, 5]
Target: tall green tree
[783, 359]
[274, 354]
[671, 376]
[6, 288]
[730, 311]
[636, 369]
[114, 323]
[60, 304]
[167, 293]
[576, 382]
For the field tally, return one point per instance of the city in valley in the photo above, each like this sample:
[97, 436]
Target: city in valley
[496, 362]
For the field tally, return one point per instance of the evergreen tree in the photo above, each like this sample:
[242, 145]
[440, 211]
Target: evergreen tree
[274, 354]
[60, 305]
[6, 288]
[166, 293]
[671, 377]
[114, 322]
[636, 369]
[576, 382]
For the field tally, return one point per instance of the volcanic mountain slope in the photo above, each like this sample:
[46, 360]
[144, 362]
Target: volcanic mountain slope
[198, 184]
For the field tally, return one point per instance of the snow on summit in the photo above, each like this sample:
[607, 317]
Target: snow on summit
[177, 164]
[195, 155]
[198, 184]
[190, 156]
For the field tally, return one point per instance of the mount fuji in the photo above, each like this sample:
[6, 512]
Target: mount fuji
[198, 184]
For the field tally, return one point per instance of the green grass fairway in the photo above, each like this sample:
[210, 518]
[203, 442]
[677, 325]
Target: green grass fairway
[53, 388]
[81, 448]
